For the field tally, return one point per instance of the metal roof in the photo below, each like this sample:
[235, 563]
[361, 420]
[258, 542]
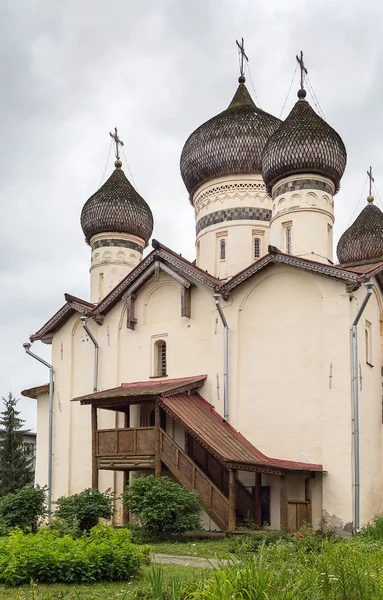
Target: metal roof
[141, 389]
[363, 240]
[201, 420]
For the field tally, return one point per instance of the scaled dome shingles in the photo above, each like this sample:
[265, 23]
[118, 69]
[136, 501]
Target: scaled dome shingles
[363, 240]
[304, 143]
[229, 143]
[117, 207]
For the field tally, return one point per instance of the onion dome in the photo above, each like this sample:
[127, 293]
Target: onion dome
[304, 143]
[231, 142]
[117, 207]
[364, 239]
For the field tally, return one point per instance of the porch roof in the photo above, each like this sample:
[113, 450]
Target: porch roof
[139, 391]
[230, 447]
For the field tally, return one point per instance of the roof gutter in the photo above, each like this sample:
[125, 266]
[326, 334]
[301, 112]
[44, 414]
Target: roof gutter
[27, 347]
[355, 392]
[217, 297]
[96, 349]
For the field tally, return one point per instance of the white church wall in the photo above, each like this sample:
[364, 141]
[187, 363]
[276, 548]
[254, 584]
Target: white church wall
[41, 469]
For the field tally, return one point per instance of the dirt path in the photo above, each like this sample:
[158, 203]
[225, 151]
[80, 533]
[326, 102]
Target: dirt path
[188, 561]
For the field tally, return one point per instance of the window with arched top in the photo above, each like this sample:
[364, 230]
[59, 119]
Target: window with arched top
[222, 251]
[257, 247]
[160, 358]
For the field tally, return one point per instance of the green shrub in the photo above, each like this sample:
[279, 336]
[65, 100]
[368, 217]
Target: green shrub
[162, 506]
[104, 554]
[85, 508]
[23, 509]
[374, 530]
[65, 527]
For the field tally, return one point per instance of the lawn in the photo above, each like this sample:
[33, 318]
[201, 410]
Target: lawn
[219, 548]
[98, 591]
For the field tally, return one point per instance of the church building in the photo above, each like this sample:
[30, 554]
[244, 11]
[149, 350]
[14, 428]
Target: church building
[251, 374]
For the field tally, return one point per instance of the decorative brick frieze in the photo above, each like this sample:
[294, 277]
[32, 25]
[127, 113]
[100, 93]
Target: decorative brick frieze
[239, 213]
[303, 184]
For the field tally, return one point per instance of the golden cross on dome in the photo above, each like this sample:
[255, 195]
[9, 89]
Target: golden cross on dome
[303, 69]
[241, 46]
[369, 173]
[117, 142]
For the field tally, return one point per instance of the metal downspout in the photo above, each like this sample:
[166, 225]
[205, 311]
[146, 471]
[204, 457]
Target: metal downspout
[355, 390]
[96, 348]
[27, 347]
[217, 298]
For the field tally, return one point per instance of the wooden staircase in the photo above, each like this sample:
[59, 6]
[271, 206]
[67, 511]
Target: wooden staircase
[215, 503]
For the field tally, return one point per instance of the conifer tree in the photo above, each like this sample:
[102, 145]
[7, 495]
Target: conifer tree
[16, 469]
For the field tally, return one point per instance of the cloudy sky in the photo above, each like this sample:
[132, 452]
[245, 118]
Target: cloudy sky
[71, 71]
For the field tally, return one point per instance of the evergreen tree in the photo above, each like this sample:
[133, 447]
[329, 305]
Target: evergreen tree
[15, 461]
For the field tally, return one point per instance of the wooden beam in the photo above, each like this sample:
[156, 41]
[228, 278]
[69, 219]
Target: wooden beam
[309, 500]
[232, 502]
[284, 507]
[94, 448]
[157, 422]
[185, 302]
[130, 307]
[258, 499]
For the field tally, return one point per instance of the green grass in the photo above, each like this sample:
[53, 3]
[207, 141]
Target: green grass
[99, 591]
[219, 548]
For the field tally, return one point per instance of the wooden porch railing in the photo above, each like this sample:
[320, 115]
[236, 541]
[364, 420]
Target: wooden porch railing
[193, 478]
[132, 448]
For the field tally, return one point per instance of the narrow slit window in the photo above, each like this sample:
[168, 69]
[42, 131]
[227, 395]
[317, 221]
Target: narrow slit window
[368, 342]
[161, 358]
[223, 249]
[288, 239]
[257, 247]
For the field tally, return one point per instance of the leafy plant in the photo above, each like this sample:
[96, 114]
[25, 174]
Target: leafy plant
[102, 555]
[162, 506]
[85, 508]
[16, 468]
[23, 508]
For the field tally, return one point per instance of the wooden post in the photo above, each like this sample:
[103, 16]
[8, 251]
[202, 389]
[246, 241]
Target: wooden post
[157, 421]
[232, 501]
[309, 500]
[125, 512]
[258, 500]
[283, 503]
[94, 448]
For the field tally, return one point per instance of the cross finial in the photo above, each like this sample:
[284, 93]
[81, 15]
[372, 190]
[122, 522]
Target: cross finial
[117, 143]
[302, 68]
[241, 46]
[370, 196]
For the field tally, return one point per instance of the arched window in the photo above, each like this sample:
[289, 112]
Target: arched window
[257, 247]
[222, 252]
[160, 358]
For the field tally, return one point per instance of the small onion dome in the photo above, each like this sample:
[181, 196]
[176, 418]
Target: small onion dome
[117, 207]
[304, 143]
[231, 142]
[364, 239]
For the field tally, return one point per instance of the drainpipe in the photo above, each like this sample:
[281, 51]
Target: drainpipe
[27, 347]
[96, 348]
[217, 297]
[355, 390]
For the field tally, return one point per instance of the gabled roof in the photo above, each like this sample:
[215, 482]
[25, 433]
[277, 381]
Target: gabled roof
[335, 272]
[166, 259]
[141, 389]
[72, 305]
[230, 447]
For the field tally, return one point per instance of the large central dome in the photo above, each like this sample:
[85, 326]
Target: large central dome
[231, 142]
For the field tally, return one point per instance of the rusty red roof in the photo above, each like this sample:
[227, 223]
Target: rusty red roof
[155, 387]
[228, 445]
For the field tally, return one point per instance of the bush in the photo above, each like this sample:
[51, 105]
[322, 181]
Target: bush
[102, 555]
[162, 506]
[85, 509]
[23, 508]
[253, 541]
